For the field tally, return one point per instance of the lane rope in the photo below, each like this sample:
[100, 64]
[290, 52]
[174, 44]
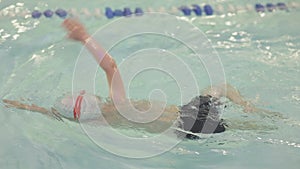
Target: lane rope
[185, 10]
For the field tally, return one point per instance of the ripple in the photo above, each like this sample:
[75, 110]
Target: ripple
[282, 142]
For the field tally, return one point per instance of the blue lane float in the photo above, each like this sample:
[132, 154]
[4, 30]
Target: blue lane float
[36, 14]
[208, 10]
[197, 10]
[61, 13]
[109, 13]
[127, 12]
[118, 12]
[259, 8]
[185, 10]
[48, 13]
[270, 7]
[282, 6]
[138, 12]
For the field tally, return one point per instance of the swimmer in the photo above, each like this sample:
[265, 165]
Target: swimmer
[200, 115]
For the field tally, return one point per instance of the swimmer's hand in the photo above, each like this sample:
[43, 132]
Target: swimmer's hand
[76, 31]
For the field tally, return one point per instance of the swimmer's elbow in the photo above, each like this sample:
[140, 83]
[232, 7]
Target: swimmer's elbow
[109, 65]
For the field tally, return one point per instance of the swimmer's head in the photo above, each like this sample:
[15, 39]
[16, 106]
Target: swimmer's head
[202, 115]
[89, 106]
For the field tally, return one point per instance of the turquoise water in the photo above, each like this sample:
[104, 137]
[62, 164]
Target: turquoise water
[259, 54]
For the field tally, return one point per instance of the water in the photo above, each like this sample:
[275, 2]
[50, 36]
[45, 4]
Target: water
[260, 56]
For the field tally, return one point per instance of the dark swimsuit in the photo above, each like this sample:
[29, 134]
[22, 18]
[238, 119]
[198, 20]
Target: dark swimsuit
[201, 115]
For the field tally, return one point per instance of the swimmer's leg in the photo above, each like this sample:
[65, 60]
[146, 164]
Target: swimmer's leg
[34, 108]
[239, 124]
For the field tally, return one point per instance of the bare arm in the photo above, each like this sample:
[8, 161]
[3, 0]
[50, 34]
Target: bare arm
[234, 95]
[34, 108]
[227, 91]
[76, 31]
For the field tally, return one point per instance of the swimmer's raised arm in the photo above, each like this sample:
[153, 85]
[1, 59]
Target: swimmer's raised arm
[77, 32]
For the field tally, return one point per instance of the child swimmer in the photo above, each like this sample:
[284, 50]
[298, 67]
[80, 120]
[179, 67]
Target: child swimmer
[201, 115]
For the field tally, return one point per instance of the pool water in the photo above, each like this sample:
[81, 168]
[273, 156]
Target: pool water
[259, 54]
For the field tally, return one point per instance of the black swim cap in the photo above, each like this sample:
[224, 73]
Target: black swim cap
[201, 115]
